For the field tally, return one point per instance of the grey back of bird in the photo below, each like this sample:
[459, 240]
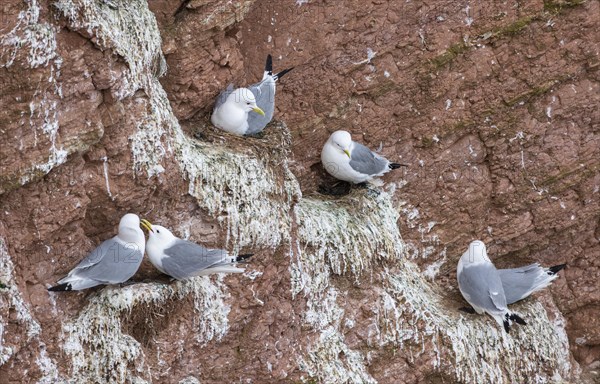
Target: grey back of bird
[367, 162]
[110, 263]
[481, 286]
[264, 92]
[186, 259]
[222, 98]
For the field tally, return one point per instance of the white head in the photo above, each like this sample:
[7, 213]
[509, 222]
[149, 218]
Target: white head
[129, 229]
[158, 235]
[476, 254]
[244, 99]
[341, 141]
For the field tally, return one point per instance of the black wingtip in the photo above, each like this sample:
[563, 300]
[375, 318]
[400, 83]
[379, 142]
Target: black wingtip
[280, 74]
[517, 319]
[506, 326]
[269, 64]
[554, 270]
[397, 165]
[61, 287]
[244, 257]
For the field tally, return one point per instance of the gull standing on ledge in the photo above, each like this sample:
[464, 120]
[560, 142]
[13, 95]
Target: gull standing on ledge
[112, 262]
[480, 284]
[183, 259]
[350, 161]
[231, 112]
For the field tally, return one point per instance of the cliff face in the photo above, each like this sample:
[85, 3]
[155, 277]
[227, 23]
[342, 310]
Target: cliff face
[104, 111]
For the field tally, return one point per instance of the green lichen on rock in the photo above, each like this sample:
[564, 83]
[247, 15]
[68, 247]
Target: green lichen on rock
[557, 6]
[450, 54]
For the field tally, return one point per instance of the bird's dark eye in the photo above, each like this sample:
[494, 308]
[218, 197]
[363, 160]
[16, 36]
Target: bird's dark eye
[157, 231]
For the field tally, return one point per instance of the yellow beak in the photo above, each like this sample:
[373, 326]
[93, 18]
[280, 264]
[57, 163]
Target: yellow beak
[259, 111]
[146, 225]
[347, 152]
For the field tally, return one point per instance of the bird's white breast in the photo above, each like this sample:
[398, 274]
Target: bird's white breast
[230, 118]
[337, 165]
[155, 250]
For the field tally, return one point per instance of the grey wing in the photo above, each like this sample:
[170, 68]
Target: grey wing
[482, 287]
[186, 259]
[223, 96]
[518, 283]
[264, 92]
[365, 161]
[110, 263]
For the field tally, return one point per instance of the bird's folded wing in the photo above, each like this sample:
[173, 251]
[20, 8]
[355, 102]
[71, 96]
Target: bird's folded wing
[110, 262]
[186, 259]
[482, 287]
[518, 283]
[364, 161]
[223, 96]
[264, 92]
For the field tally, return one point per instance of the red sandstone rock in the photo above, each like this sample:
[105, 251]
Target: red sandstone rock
[495, 106]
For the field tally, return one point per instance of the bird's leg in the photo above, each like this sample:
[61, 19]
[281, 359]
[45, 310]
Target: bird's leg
[200, 136]
[371, 189]
[257, 135]
[467, 310]
[337, 189]
[144, 281]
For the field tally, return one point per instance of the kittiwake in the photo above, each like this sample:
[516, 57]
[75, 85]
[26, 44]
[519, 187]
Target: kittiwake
[480, 284]
[183, 259]
[350, 161]
[231, 111]
[112, 262]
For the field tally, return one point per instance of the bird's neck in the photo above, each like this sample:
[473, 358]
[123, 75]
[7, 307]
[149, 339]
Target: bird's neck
[130, 235]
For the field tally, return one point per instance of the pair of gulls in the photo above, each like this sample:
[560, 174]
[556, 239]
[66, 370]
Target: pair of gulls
[117, 259]
[247, 111]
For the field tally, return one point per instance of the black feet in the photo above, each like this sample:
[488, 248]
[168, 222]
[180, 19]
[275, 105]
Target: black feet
[340, 188]
[517, 319]
[200, 136]
[257, 135]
